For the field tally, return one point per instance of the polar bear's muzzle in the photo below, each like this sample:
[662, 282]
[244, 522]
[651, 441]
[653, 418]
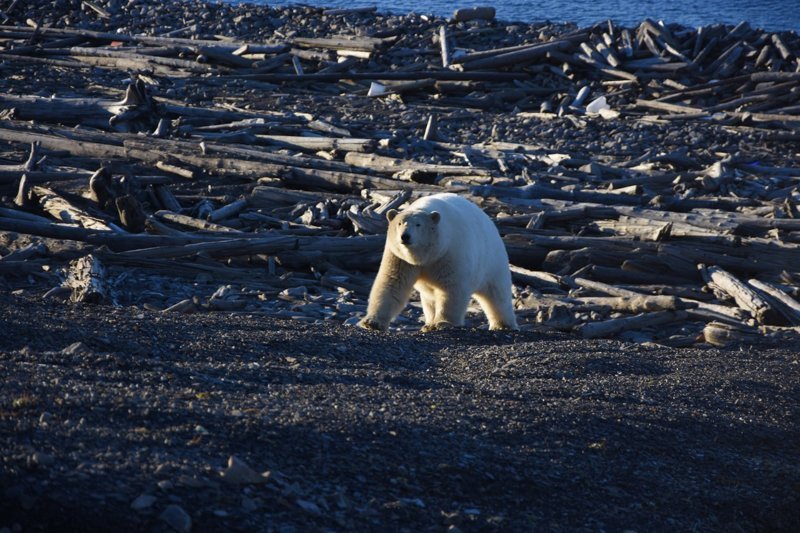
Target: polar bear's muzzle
[405, 238]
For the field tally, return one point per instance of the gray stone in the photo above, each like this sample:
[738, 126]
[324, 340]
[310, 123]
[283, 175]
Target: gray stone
[75, 348]
[143, 502]
[42, 459]
[177, 518]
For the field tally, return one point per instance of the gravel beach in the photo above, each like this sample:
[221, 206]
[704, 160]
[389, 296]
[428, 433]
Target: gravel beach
[192, 208]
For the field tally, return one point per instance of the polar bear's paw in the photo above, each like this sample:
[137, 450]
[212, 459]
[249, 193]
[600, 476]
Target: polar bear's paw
[438, 326]
[373, 324]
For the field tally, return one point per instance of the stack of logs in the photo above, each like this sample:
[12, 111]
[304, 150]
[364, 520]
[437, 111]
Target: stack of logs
[669, 247]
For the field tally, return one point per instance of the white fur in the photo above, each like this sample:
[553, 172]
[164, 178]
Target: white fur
[454, 252]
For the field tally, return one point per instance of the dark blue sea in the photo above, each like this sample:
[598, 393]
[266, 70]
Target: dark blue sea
[768, 14]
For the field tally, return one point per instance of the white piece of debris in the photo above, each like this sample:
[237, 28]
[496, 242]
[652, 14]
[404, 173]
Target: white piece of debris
[376, 89]
[599, 106]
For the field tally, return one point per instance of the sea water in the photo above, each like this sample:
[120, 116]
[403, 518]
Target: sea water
[767, 14]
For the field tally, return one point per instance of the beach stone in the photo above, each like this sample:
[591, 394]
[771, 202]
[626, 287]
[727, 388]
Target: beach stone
[42, 459]
[177, 518]
[143, 501]
[239, 473]
[75, 348]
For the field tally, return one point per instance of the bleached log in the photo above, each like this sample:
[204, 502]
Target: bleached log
[604, 288]
[636, 304]
[223, 248]
[336, 181]
[391, 165]
[444, 46]
[315, 143]
[227, 211]
[791, 307]
[166, 198]
[725, 334]
[611, 327]
[534, 278]
[745, 297]
[62, 209]
[191, 222]
[465, 14]
[22, 215]
[521, 55]
[130, 213]
[88, 281]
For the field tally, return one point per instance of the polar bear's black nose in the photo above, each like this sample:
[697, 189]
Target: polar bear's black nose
[406, 238]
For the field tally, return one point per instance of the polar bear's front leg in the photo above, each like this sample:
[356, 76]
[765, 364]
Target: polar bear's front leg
[390, 292]
[451, 307]
[427, 296]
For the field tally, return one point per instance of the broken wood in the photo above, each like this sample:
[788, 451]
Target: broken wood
[606, 328]
[87, 279]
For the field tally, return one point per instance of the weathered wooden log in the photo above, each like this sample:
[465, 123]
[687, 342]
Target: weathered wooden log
[385, 76]
[270, 197]
[223, 248]
[187, 305]
[635, 304]
[343, 42]
[22, 215]
[335, 181]
[191, 222]
[92, 111]
[166, 198]
[174, 42]
[115, 241]
[316, 143]
[130, 213]
[614, 326]
[62, 209]
[789, 306]
[101, 188]
[786, 54]
[539, 191]
[227, 211]
[516, 57]
[670, 108]
[26, 252]
[187, 173]
[465, 14]
[724, 334]
[23, 197]
[744, 296]
[534, 278]
[602, 287]
[391, 165]
[381, 90]
[88, 281]
[444, 46]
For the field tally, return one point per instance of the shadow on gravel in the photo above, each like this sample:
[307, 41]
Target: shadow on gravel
[593, 473]
[366, 431]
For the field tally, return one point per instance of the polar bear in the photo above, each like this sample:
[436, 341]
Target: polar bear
[449, 250]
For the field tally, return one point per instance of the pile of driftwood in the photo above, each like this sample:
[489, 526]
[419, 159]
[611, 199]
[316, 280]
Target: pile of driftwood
[669, 247]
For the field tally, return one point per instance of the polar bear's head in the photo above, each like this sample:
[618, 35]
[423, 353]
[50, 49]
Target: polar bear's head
[414, 235]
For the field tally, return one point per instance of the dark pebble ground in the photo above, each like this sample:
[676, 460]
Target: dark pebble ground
[123, 419]
[400, 431]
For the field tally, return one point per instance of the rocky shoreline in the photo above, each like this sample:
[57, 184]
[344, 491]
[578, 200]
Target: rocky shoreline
[640, 176]
[192, 207]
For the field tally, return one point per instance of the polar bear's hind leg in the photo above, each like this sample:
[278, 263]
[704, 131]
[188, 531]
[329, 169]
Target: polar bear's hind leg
[496, 304]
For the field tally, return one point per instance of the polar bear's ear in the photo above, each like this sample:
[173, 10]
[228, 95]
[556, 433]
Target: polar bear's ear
[390, 214]
[436, 217]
